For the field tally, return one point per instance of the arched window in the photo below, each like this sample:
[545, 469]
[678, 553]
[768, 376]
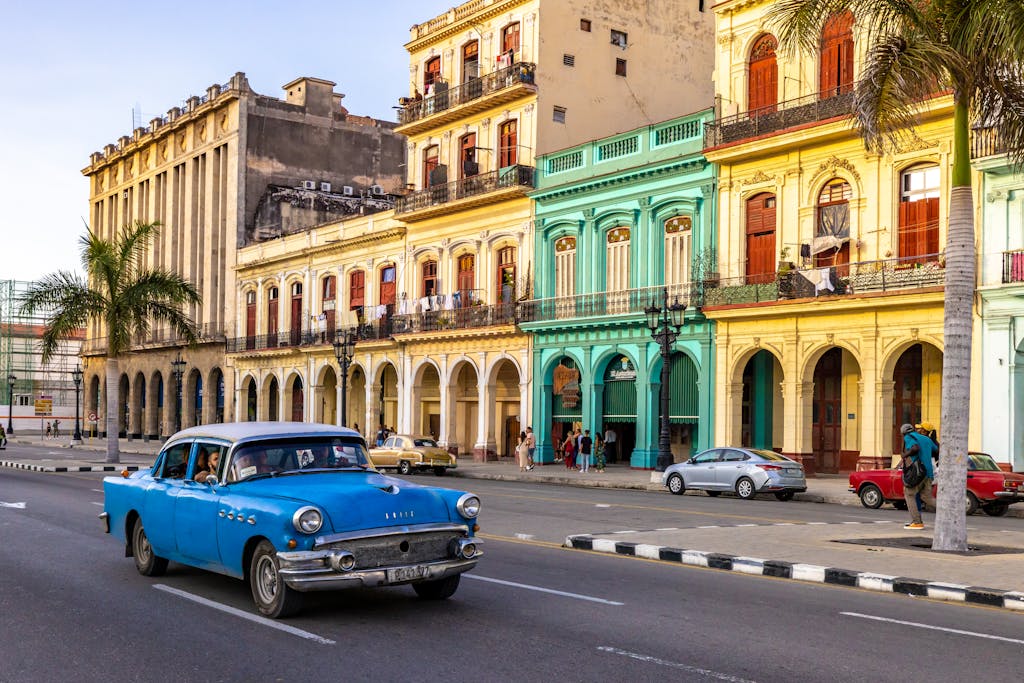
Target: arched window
[430, 164]
[428, 285]
[431, 73]
[506, 275]
[918, 232]
[836, 66]
[565, 266]
[760, 266]
[763, 84]
[678, 231]
[617, 259]
[508, 144]
[466, 278]
[468, 166]
[831, 245]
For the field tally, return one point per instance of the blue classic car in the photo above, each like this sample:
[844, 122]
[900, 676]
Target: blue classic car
[291, 507]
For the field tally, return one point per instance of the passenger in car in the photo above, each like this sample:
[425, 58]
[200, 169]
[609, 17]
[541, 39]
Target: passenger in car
[206, 464]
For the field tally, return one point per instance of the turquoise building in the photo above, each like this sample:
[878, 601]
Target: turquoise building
[620, 222]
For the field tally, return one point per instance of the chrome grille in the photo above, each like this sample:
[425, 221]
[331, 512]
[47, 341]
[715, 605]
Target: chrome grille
[386, 551]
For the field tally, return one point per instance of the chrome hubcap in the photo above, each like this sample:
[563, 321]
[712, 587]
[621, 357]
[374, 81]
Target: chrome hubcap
[266, 579]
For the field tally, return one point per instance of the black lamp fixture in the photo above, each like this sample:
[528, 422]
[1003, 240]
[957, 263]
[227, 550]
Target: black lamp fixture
[665, 323]
[177, 369]
[11, 379]
[76, 377]
[343, 351]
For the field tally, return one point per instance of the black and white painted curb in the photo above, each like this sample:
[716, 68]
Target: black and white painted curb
[69, 468]
[805, 572]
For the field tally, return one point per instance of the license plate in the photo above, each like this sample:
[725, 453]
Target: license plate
[399, 574]
[792, 473]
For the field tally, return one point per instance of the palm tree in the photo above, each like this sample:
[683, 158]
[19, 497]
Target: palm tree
[915, 50]
[120, 292]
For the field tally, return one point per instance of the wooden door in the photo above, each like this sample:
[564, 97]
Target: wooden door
[764, 77]
[827, 411]
[250, 320]
[906, 397]
[330, 292]
[431, 72]
[272, 318]
[296, 319]
[760, 238]
[466, 278]
[919, 229]
[836, 58]
[508, 144]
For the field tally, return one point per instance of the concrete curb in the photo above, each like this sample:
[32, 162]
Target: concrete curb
[72, 468]
[561, 481]
[883, 583]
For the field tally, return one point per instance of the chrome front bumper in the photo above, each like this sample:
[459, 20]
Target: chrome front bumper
[312, 571]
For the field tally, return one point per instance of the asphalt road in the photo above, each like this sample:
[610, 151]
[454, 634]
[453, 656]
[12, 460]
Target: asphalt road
[72, 607]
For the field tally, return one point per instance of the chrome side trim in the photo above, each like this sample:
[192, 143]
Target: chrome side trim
[390, 531]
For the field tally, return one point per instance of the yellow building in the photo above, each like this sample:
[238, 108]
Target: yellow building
[493, 84]
[830, 289]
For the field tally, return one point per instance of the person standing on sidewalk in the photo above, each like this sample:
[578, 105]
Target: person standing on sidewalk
[531, 445]
[599, 453]
[610, 443]
[569, 449]
[523, 453]
[3, 438]
[918, 447]
[586, 443]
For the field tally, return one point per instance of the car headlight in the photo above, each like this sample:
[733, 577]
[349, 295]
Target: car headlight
[307, 520]
[468, 505]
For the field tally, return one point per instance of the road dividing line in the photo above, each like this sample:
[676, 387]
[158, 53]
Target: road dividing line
[246, 615]
[973, 634]
[95, 503]
[602, 505]
[706, 673]
[551, 591]
[16, 506]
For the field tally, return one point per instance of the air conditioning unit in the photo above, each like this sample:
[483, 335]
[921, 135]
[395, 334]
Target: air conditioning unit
[308, 185]
[376, 190]
[347, 190]
[325, 187]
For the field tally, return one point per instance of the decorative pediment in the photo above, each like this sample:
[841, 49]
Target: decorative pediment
[832, 163]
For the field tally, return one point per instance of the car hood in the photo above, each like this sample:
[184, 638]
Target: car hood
[359, 500]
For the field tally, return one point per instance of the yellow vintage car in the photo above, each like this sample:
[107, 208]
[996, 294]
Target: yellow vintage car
[410, 453]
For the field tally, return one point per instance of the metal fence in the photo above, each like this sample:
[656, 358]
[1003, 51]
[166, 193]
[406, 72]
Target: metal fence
[513, 176]
[445, 97]
[777, 117]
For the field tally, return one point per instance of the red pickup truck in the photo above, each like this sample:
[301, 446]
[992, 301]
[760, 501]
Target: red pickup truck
[988, 487]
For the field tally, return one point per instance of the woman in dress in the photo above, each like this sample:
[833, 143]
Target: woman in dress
[569, 448]
[523, 452]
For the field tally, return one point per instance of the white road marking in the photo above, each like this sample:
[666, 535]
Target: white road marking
[97, 490]
[817, 523]
[625, 531]
[577, 596]
[746, 525]
[524, 537]
[783, 524]
[883, 521]
[246, 615]
[17, 506]
[709, 526]
[707, 673]
[849, 522]
[602, 505]
[95, 503]
[668, 528]
[957, 631]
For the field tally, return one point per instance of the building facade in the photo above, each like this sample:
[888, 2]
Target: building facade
[829, 301]
[228, 168]
[622, 221]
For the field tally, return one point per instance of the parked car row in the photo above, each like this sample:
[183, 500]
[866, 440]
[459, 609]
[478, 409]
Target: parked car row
[292, 508]
[988, 487]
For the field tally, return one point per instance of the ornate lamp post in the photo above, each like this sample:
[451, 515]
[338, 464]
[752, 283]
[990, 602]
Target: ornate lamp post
[76, 377]
[11, 379]
[343, 351]
[665, 323]
[177, 369]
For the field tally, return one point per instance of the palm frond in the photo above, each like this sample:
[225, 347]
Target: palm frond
[999, 105]
[67, 302]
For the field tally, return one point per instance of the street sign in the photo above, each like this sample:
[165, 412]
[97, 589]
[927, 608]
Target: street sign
[92, 417]
[44, 406]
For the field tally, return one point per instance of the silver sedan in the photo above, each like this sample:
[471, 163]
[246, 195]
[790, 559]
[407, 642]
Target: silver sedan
[744, 471]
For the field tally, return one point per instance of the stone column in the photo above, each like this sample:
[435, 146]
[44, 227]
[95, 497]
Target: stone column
[485, 447]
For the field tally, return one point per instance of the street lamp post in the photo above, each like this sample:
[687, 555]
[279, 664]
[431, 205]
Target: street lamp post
[665, 323]
[76, 377]
[10, 402]
[177, 369]
[343, 351]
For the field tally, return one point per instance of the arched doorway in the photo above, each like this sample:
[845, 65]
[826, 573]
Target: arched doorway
[917, 390]
[426, 402]
[763, 83]
[195, 401]
[835, 405]
[138, 410]
[356, 404]
[327, 410]
[618, 408]
[566, 401]
[217, 381]
[93, 406]
[298, 403]
[388, 397]
[273, 400]
[762, 377]
[506, 401]
[250, 400]
[155, 419]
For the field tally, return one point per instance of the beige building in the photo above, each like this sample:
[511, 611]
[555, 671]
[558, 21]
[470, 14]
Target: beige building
[228, 168]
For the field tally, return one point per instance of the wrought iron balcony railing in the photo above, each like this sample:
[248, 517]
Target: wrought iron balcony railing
[598, 304]
[841, 280]
[475, 88]
[1013, 266]
[778, 117]
[455, 319]
[513, 176]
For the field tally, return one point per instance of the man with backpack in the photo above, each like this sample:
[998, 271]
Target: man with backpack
[918, 473]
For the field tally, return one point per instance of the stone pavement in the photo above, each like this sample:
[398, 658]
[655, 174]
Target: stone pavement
[807, 551]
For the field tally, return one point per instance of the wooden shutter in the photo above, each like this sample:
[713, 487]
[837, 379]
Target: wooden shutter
[764, 77]
[507, 144]
[760, 238]
[836, 59]
[357, 289]
[431, 71]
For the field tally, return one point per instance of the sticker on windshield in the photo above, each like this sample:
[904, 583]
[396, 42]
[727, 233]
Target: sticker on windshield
[305, 457]
[247, 472]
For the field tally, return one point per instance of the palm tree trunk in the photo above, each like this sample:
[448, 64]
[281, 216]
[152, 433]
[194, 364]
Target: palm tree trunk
[113, 399]
[950, 518]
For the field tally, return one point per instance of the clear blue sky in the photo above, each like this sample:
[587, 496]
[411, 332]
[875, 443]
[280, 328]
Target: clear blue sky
[72, 71]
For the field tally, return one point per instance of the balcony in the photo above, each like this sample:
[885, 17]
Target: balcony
[473, 96]
[477, 190]
[466, 317]
[777, 118]
[846, 280]
[1013, 266]
[986, 142]
[629, 302]
[293, 339]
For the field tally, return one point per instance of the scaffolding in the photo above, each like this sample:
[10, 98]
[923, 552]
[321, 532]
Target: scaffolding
[21, 356]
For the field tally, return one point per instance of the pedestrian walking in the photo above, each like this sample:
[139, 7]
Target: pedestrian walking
[3, 438]
[586, 444]
[928, 429]
[531, 445]
[917, 448]
[569, 449]
[56, 429]
[610, 443]
[523, 453]
[599, 453]
[49, 431]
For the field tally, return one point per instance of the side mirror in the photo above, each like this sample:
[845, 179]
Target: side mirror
[212, 480]
[690, 461]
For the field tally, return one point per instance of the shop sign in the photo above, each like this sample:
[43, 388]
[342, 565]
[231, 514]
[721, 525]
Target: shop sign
[566, 383]
[623, 371]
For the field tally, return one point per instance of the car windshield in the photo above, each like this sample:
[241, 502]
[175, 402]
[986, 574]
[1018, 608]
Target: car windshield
[981, 461]
[425, 443]
[768, 455]
[297, 455]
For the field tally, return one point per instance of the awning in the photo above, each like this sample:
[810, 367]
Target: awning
[619, 402]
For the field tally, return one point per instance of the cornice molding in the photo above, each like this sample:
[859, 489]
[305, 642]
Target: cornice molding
[621, 178]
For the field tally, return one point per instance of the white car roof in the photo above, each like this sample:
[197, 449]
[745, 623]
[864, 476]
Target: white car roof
[236, 431]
